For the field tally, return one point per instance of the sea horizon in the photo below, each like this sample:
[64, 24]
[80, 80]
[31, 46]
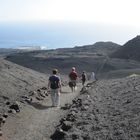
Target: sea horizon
[61, 34]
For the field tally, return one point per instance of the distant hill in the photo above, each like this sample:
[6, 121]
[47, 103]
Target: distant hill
[89, 58]
[8, 51]
[130, 50]
[99, 48]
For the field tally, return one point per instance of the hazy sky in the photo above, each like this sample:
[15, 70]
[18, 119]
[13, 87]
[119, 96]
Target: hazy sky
[106, 11]
[120, 14]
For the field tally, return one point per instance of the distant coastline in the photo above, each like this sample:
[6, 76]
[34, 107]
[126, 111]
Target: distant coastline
[61, 35]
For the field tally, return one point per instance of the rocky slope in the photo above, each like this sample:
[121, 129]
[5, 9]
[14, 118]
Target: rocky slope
[107, 110]
[17, 81]
[129, 50]
[18, 86]
[37, 119]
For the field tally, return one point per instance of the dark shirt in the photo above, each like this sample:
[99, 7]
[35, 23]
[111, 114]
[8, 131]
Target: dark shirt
[83, 77]
[54, 82]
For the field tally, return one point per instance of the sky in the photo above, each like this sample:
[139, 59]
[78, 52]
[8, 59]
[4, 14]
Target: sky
[106, 11]
[110, 13]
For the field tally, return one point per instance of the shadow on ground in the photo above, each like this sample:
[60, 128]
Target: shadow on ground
[39, 106]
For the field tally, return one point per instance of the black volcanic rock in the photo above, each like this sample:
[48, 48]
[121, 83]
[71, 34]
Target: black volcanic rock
[130, 50]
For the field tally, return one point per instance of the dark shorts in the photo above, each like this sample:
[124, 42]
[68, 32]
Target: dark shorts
[72, 83]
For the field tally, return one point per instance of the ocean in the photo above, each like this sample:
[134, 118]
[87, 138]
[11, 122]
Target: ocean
[59, 35]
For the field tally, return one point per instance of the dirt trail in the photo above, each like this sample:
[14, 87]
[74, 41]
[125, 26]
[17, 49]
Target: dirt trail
[108, 110]
[37, 121]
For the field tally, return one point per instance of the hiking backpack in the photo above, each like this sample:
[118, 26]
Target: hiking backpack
[54, 80]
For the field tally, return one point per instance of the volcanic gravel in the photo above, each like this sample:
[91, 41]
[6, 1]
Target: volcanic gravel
[107, 110]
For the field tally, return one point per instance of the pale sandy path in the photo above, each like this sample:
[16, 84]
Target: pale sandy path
[37, 121]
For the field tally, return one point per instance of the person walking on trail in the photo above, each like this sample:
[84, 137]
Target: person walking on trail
[54, 84]
[93, 77]
[73, 78]
[83, 78]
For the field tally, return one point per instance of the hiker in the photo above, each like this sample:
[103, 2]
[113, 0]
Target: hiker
[73, 77]
[83, 78]
[54, 85]
[93, 77]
